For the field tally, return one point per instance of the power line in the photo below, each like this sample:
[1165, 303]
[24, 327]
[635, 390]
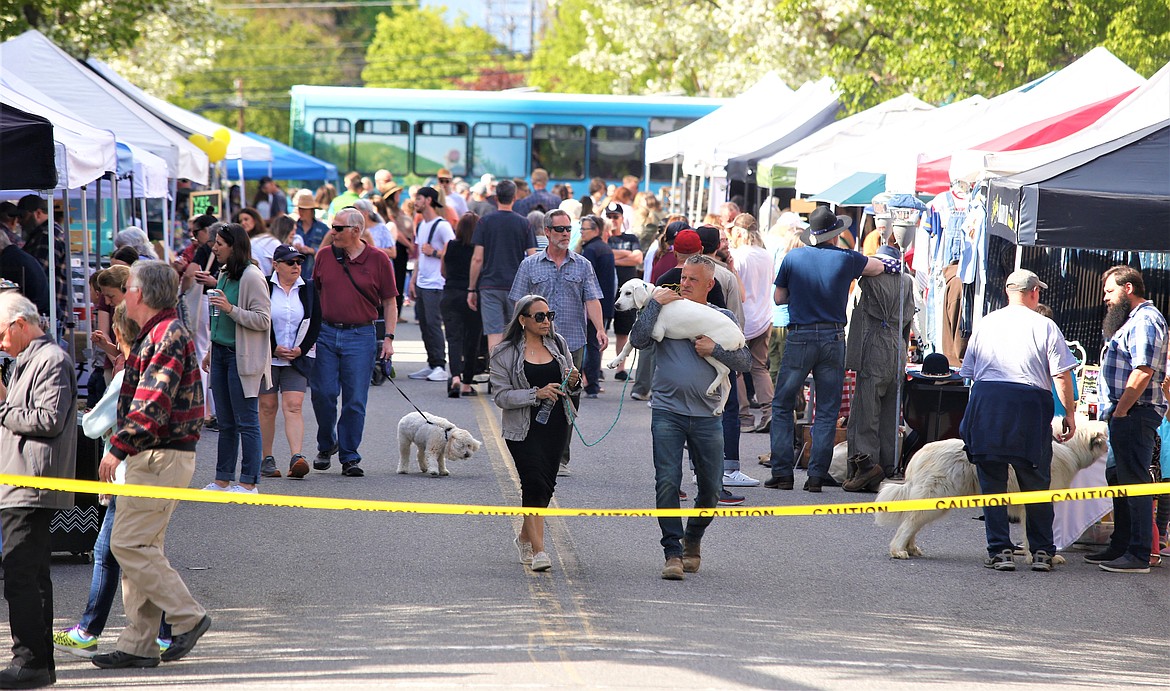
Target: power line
[329, 5]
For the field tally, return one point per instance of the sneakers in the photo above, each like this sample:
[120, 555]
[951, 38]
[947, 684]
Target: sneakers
[238, 489]
[690, 556]
[681, 495]
[780, 482]
[621, 375]
[212, 487]
[1102, 556]
[298, 467]
[1041, 561]
[119, 659]
[525, 550]
[163, 644]
[182, 643]
[673, 570]
[1001, 562]
[423, 373]
[728, 499]
[322, 462]
[211, 423]
[540, 561]
[437, 374]
[736, 478]
[268, 467]
[75, 642]
[640, 396]
[1126, 563]
[563, 470]
[352, 469]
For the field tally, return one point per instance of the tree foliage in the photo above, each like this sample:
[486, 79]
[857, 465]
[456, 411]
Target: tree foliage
[416, 48]
[554, 67]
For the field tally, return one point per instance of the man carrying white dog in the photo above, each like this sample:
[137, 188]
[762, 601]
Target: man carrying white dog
[1013, 357]
[683, 414]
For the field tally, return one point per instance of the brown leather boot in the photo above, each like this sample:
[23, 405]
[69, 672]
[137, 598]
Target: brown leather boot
[690, 557]
[851, 467]
[673, 570]
[868, 473]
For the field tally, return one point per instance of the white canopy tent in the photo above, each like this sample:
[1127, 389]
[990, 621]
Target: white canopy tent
[1147, 106]
[38, 61]
[241, 147]
[848, 134]
[148, 173]
[752, 107]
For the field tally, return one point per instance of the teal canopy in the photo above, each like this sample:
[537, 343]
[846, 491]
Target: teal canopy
[858, 189]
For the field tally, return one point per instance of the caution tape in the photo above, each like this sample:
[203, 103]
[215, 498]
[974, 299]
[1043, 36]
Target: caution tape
[342, 504]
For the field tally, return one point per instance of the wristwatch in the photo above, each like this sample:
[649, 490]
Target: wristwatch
[390, 336]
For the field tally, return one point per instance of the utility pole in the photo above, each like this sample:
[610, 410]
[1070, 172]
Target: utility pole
[240, 104]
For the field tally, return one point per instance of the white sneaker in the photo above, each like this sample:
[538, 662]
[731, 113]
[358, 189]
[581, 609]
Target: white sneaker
[541, 562]
[563, 470]
[212, 487]
[524, 549]
[437, 374]
[421, 374]
[736, 478]
[240, 490]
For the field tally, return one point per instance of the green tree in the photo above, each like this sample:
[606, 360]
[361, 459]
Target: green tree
[554, 67]
[418, 49]
[944, 50]
[272, 51]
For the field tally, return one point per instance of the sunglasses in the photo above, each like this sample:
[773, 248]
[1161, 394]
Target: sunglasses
[561, 229]
[341, 229]
[293, 262]
[541, 316]
[444, 180]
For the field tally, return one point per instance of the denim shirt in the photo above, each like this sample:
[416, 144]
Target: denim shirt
[513, 394]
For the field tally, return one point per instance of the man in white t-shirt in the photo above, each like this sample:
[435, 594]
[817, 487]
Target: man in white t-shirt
[426, 284]
[1014, 356]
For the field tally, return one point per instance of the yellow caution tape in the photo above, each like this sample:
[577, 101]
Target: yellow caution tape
[341, 504]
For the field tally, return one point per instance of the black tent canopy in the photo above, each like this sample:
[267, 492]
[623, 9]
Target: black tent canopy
[26, 145]
[1115, 196]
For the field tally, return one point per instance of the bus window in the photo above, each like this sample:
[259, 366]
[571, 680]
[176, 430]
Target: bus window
[616, 151]
[559, 149]
[662, 171]
[331, 141]
[500, 149]
[440, 145]
[382, 144]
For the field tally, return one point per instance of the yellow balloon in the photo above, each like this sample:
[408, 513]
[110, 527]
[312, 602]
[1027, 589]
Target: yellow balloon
[200, 141]
[223, 134]
[216, 150]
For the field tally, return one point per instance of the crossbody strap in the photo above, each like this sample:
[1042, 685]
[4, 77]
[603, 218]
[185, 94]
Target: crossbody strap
[339, 255]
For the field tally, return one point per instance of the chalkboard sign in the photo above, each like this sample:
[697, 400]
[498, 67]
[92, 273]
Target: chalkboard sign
[209, 202]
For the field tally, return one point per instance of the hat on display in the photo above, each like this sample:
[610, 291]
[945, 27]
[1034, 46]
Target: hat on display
[936, 367]
[432, 194]
[890, 257]
[305, 200]
[1022, 280]
[284, 253]
[687, 242]
[791, 219]
[824, 226]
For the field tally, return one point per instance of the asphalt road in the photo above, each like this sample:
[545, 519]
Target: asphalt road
[334, 599]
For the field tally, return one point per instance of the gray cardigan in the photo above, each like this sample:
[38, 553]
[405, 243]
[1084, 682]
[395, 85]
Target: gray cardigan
[38, 425]
[513, 394]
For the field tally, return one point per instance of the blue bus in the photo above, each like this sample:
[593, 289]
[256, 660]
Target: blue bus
[415, 132]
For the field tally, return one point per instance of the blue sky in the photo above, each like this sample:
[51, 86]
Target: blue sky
[474, 9]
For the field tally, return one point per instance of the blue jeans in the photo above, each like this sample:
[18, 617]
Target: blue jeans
[821, 352]
[239, 419]
[344, 360]
[592, 364]
[731, 429]
[670, 432]
[993, 478]
[1131, 438]
[104, 584]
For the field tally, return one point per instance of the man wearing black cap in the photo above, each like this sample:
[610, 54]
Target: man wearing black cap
[35, 221]
[627, 262]
[814, 282]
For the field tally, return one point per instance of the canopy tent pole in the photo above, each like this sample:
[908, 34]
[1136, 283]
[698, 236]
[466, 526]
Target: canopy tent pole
[86, 271]
[52, 264]
[115, 215]
[645, 179]
[97, 230]
[674, 191]
[240, 170]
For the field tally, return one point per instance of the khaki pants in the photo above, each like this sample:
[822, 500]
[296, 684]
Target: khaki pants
[150, 586]
[763, 382]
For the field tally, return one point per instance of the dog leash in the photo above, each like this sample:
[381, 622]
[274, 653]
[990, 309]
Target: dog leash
[621, 403]
[446, 432]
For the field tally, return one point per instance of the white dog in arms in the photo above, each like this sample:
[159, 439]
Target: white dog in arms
[684, 319]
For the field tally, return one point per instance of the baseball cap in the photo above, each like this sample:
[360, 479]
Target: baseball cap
[284, 253]
[687, 242]
[432, 194]
[1022, 280]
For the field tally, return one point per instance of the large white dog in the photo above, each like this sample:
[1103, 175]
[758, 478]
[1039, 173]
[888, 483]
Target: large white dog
[436, 440]
[684, 319]
[941, 469]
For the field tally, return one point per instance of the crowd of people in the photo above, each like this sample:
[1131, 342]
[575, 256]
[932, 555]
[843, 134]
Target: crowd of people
[254, 312]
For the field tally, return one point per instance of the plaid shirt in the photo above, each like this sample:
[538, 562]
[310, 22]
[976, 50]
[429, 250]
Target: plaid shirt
[566, 289]
[1140, 342]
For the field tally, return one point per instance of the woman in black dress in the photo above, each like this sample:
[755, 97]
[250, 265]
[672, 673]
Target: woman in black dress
[531, 374]
[462, 324]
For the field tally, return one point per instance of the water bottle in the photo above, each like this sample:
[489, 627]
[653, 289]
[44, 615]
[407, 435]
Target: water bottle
[212, 309]
[545, 410]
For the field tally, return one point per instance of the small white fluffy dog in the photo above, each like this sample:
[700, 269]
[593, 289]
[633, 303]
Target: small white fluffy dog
[437, 440]
[941, 469]
[684, 319]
